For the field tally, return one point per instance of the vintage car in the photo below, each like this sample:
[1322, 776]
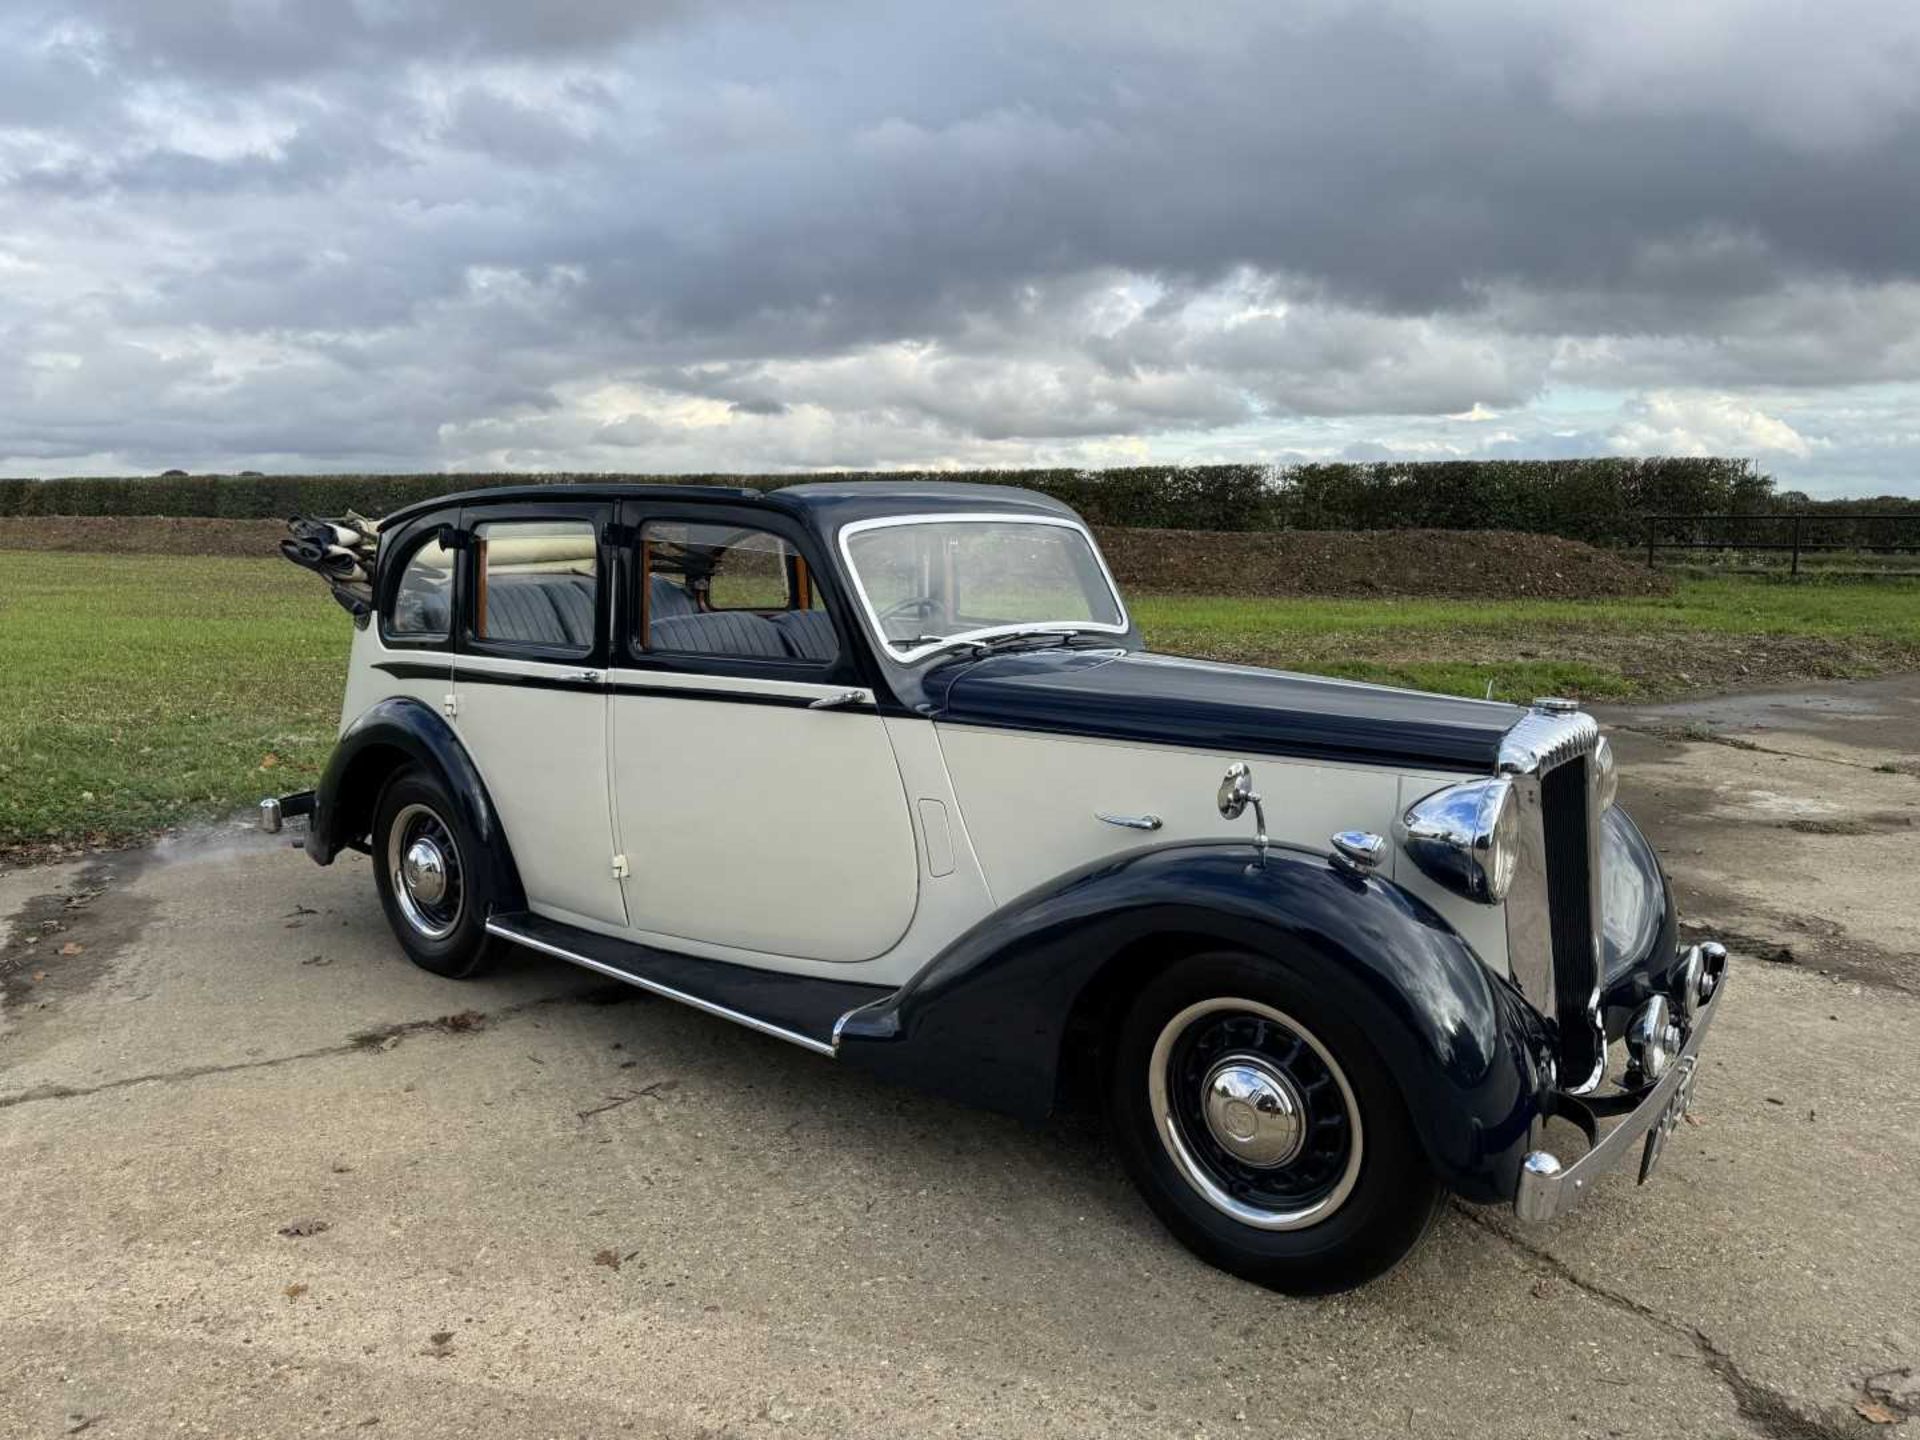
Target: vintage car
[883, 770]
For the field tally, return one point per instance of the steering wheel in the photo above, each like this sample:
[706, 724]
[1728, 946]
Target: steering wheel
[919, 607]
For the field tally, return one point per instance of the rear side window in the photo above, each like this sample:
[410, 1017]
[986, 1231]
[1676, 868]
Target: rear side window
[730, 591]
[423, 602]
[536, 584]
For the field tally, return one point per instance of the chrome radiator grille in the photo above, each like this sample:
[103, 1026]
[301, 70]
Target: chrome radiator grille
[1571, 921]
[1553, 910]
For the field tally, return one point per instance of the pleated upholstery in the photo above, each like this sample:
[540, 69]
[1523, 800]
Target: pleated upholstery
[808, 633]
[522, 609]
[720, 632]
[420, 611]
[667, 599]
[572, 597]
[559, 610]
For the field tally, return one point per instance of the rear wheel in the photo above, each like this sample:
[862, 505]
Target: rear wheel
[431, 875]
[1263, 1129]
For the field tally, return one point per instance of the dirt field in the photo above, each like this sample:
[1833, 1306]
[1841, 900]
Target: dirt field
[267, 1180]
[1479, 564]
[141, 535]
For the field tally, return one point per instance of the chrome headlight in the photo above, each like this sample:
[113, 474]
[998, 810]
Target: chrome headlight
[1606, 779]
[1467, 837]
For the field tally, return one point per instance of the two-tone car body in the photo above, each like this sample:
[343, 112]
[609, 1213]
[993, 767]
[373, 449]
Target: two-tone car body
[884, 770]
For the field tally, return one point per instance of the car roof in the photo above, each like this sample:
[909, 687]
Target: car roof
[834, 503]
[825, 504]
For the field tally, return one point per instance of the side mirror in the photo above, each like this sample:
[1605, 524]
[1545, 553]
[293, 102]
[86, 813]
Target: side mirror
[1236, 791]
[1236, 794]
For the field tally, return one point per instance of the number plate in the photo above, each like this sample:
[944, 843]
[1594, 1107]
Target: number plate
[1670, 1117]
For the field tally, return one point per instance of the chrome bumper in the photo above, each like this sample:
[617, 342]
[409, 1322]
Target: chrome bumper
[1549, 1187]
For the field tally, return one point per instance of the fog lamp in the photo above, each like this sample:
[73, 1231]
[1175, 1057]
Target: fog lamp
[1690, 982]
[1652, 1042]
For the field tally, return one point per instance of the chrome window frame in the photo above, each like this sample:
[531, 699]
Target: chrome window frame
[997, 517]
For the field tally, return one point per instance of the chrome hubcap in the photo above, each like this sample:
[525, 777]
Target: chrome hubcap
[1253, 1111]
[424, 864]
[424, 871]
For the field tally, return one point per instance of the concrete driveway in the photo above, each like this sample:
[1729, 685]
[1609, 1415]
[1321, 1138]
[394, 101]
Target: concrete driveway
[263, 1178]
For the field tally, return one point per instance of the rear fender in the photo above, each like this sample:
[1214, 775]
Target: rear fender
[387, 736]
[984, 1021]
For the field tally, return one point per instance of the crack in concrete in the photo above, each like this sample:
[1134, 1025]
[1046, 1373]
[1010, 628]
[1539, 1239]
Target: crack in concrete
[1681, 735]
[377, 1040]
[1771, 1412]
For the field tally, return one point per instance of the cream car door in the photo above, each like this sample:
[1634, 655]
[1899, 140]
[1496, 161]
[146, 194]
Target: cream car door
[759, 804]
[530, 699]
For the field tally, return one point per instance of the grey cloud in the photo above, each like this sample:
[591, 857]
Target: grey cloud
[438, 229]
[276, 39]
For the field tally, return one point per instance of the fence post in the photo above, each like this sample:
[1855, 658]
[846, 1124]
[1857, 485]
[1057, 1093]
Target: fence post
[1795, 573]
[1651, 522]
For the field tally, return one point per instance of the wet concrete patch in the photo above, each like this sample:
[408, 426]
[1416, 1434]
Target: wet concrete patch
[60, 943]
[1835, 719]
[1781, 840]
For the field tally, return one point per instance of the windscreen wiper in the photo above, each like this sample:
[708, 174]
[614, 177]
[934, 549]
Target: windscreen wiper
[986, 644]
[1008, 641]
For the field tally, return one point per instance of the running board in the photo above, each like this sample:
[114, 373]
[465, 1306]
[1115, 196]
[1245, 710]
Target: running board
[800, 1009]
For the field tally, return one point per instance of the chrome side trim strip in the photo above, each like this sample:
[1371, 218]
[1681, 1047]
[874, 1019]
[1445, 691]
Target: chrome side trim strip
[805, 1042]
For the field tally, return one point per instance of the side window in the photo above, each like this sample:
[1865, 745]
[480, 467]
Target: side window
[536, 582]
[423, 602]
[730, 591]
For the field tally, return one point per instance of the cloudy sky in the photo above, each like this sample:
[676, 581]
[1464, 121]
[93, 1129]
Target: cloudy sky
[658, 235]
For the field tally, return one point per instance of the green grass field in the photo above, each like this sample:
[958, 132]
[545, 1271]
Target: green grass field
[140, 691]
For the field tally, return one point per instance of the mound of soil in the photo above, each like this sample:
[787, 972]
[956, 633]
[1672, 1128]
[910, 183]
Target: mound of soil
[142, 535]
[1474, 564]
[1468, 564]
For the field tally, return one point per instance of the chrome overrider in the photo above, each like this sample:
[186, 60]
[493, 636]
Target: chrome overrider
[1550, 1186]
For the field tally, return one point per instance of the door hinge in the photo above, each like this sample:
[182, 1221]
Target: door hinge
[450, 703]
[620, 871]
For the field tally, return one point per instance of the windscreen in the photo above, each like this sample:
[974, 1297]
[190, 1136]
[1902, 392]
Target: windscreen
[930, 581]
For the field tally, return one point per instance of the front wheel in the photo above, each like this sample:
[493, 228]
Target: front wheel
[431, 875]
[1263, 1129]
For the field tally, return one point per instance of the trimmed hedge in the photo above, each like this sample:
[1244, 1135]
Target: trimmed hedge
[1601, 501]
[1215, 497]
[1598, 500]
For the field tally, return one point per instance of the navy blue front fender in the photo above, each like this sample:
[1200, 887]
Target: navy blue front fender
[985, 1020]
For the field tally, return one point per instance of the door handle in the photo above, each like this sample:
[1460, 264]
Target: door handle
[836, 702]
[582, 677]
